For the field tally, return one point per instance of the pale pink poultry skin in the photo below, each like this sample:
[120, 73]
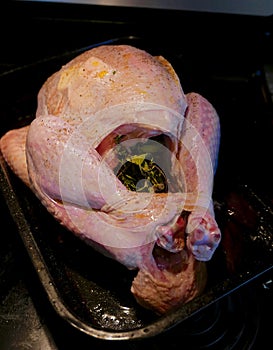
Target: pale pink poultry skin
[66, 155]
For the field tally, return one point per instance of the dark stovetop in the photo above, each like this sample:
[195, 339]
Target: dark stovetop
[27, 319]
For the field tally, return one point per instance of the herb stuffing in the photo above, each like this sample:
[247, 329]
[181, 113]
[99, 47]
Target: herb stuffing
[139, 171]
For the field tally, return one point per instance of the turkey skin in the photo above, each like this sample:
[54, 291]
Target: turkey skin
[124, 159]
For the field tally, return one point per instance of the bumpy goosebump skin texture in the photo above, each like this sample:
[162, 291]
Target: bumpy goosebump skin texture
[203, 232]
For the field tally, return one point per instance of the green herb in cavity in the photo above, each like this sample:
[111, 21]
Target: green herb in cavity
[142, 175]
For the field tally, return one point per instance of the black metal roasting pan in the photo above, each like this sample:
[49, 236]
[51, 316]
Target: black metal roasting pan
[91, 291]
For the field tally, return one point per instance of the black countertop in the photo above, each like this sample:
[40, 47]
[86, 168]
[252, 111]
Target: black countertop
[33, 32]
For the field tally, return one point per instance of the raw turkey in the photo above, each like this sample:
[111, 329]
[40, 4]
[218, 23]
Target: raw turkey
[121, 157]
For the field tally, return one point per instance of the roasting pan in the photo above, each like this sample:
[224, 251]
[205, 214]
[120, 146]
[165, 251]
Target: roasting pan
[92, 292]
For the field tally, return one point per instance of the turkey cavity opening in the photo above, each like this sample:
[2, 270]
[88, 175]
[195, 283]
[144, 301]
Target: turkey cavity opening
[140, 158]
